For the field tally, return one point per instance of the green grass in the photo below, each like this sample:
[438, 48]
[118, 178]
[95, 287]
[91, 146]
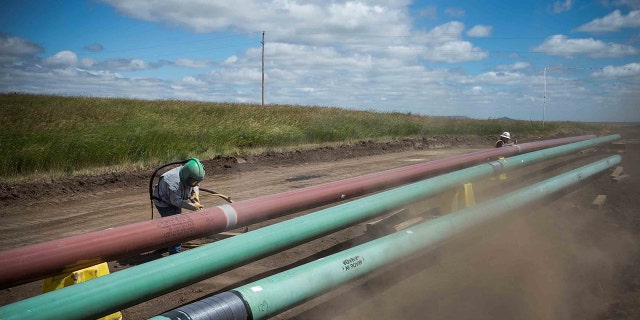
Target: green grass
[48, 134]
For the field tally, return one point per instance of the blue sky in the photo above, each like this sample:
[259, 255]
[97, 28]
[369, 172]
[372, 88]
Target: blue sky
[481, 59]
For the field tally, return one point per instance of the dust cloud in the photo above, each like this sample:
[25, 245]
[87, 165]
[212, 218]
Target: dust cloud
[543, 264]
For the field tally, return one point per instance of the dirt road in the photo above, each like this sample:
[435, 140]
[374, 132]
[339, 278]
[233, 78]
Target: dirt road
[563, 260]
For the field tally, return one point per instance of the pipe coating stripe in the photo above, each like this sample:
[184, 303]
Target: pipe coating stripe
[231, 214]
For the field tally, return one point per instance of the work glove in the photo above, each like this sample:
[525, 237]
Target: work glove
[195, 198]
[192, 206]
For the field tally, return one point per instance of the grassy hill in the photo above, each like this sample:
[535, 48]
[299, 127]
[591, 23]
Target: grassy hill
[49, 134]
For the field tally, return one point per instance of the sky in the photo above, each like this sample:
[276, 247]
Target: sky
[565, 60]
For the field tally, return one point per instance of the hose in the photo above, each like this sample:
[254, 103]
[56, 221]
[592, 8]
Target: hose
[153, 176]
[217, 194]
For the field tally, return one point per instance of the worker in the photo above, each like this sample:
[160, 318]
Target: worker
[504, 139]
[178, 189]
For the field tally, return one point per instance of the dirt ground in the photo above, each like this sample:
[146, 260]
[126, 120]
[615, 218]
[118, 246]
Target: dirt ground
[561, 259]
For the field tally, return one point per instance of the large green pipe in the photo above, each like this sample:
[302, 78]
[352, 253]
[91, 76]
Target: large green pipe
[272, 295]
[122, 289]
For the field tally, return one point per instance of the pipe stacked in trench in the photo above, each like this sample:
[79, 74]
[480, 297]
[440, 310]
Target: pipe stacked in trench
[38, 261]
[122, 289]
[270, 296]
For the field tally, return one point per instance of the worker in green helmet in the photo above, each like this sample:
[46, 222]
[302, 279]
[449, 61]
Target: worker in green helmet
[178, 189]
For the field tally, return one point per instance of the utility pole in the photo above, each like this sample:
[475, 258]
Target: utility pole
[544, 102]
[263, 68]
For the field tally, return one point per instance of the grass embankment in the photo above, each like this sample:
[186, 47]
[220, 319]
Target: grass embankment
[52, 134]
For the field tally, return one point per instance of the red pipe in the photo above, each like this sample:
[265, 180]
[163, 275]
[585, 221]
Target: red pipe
[38, 261]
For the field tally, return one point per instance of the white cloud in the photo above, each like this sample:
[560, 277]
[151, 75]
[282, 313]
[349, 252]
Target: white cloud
[480, 31]
[560, 6]
[191, 63]
[192, 81]
[309, 22]
[231, 59]
[96, 47]
[350, 24]
[515, 66]
[501, 78]
[476, 90]
[16, 48]
[633, 4]
[455, 12]
[612, 22]
[430, 12]
[124, 64]
[351, 54]
[445, 32]
[88, 62]
[444, 43]
[561, 45]
[62, 59]
[454, 51]
[629, 70]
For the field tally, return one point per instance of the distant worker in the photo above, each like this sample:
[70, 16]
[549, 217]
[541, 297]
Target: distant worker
[504, 139]
[178, 189]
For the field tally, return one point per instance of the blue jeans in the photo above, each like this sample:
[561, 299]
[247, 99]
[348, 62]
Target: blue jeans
[166, 212]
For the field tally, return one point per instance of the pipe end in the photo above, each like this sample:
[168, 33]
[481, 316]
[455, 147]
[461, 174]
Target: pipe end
[227, 305]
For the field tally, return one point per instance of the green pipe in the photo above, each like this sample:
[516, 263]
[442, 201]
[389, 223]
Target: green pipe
[105, 295]
[272, 295]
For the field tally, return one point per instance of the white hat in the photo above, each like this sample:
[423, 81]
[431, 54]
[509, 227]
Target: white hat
[506, 135]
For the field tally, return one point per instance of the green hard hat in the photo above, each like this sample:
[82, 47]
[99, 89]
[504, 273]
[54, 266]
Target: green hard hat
[192, 172]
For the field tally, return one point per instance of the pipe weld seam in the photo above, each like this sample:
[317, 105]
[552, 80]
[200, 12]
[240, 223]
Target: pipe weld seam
[231, 215]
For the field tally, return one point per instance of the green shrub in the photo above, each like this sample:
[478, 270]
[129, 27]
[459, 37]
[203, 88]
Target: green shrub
[65, 134]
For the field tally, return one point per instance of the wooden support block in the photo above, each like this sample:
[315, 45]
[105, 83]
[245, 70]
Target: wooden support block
[617, 172]
[599, 201]
[407, 224]
[221, 236]
[618, 145]
[225, 235]
[384, 225]
[620, 177]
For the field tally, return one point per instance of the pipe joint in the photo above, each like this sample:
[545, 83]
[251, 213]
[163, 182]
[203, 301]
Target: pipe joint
[498, 166]
[227, 305]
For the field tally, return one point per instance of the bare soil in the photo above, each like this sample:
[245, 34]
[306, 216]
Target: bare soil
[560, 259]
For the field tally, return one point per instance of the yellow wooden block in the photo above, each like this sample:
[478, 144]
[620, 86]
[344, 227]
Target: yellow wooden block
[502, 176]
[457, 199]
[469, 197]
[70, 278]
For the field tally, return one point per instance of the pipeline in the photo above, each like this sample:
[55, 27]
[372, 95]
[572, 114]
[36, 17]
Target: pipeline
[119, 290]
[277, 293]
[38, 261]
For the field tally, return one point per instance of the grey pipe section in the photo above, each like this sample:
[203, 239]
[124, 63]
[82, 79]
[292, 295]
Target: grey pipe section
[227, 305]
[272, 295]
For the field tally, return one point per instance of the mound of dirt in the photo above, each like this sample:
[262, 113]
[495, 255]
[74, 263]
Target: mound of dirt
[11, 193]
